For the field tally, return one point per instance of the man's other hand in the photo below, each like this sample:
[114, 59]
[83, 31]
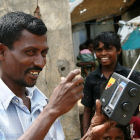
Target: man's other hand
[67, 93]
[99, 124]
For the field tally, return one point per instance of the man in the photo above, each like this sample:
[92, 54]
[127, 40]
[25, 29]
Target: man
[23, 49]
[107, 48]
[25, 112]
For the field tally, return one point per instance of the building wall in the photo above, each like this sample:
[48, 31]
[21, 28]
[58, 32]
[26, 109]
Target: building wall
[60, 59]
[79, 32]
[98, 27]
[79, 35]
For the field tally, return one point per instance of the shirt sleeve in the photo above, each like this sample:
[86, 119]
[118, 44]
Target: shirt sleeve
[2, 137]
[55, 132]
[87, 100]
[59, 130]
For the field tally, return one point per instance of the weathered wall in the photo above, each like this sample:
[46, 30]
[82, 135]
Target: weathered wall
[104, 26]
[60, 60]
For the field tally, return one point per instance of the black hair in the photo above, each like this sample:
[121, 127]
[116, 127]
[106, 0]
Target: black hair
[88, 42]
[83, 46]
[126, 131]
[107, 38]
[13, 23]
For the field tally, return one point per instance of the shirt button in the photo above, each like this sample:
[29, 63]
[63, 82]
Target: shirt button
[17, 100]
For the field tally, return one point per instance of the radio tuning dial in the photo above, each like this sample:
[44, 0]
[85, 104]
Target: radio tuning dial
[126, 106]
[133, 92]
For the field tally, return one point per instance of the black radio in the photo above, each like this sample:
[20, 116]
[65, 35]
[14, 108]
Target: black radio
[120, 98]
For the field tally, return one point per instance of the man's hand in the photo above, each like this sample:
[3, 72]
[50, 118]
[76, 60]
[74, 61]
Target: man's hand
[63, 98]
[67, 93]
[99, 124]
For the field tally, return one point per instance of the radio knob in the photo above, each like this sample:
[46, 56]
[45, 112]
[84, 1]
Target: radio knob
[126, 106]
[133, 92]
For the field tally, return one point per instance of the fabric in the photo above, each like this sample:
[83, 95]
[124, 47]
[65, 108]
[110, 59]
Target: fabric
[133, 41]
[85, 56]
[85, 51]
[95, 84]
[15, 117]
[135, 127]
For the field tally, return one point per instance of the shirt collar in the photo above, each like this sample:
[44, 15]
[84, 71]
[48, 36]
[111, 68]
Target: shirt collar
[98, 71]
[118, 68]
[36, 96]
[6, 95]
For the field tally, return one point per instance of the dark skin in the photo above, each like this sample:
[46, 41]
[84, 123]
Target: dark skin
[113, 133]
[63, 98]
[86, 118]
[99, 124]
[108, 59]
[26, 60]
[28, 54]
[20, 68]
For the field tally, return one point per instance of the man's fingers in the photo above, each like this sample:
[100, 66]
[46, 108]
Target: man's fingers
[98, 107]
[68, 86]
[99, 130]
[72, 75]
[75, 81]
[78, 91]
[63, 79]
[78, 80]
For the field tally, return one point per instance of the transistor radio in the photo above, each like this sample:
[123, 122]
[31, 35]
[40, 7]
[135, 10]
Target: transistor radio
[120, 98]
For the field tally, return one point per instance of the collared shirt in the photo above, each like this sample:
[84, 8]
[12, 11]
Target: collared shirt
[15, 118]
[95, 84]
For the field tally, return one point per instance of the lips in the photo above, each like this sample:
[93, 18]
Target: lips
[33, 72]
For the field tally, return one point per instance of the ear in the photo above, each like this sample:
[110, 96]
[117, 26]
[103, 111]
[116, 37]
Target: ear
[119, 51]
[2, 51]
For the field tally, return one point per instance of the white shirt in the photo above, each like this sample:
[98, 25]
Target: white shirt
[15, 117]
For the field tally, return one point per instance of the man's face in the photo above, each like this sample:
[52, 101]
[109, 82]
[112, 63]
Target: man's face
[107, 55]
[22, 64]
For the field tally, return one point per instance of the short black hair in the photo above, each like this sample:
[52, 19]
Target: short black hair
[88, 42]
[83, 46]
[126, 131]
[13, 23]
[107, 38]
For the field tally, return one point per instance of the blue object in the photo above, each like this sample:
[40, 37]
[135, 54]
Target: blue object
[71, 0]
[133, 41]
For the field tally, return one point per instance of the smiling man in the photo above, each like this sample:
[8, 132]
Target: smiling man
[23, 49]
[107, 48]
[25, 112]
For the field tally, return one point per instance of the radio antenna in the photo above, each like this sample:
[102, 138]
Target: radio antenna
[133, 67]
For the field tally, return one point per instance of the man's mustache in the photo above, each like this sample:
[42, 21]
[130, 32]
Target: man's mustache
[33, 68]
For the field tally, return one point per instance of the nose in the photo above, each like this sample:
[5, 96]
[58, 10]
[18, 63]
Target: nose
[39, 61]
[104, 52]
